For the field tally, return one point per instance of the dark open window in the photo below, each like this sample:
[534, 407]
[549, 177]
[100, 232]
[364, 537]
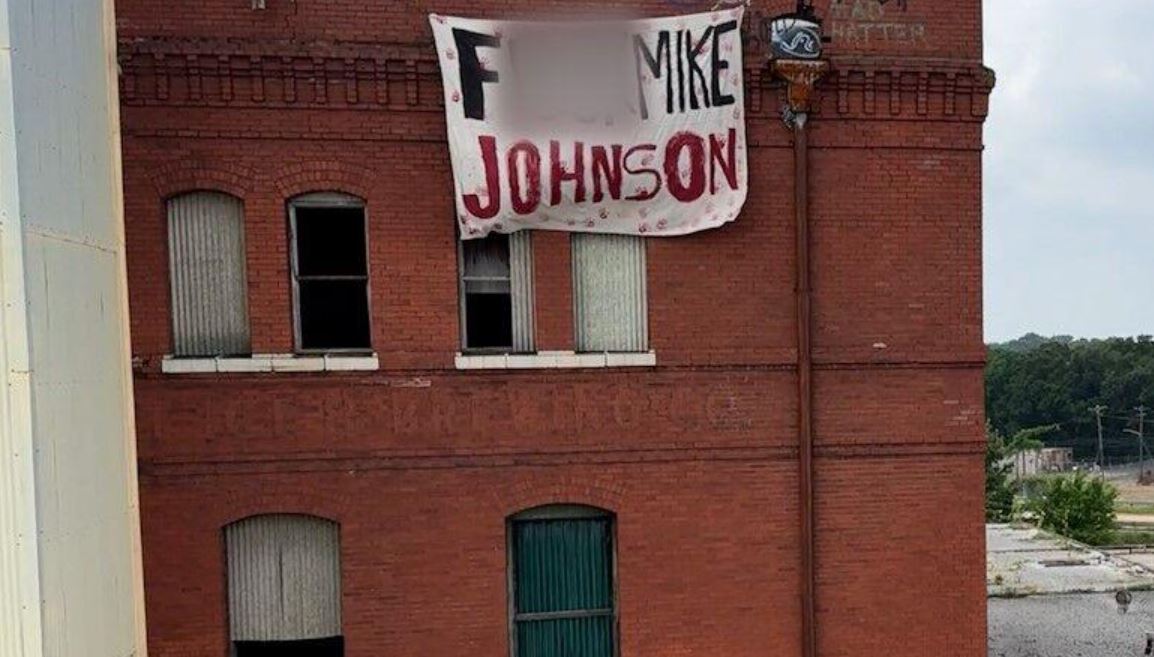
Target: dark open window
[497, 293]
[330, 273]
[332, 647]
[563, 599]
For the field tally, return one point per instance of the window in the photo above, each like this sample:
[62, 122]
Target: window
[284, 587]
[206, 262]
[609, 295]
[330, 273]
[497, 293]
[562, 597]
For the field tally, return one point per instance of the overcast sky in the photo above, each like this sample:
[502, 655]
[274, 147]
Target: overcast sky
[1069, 171]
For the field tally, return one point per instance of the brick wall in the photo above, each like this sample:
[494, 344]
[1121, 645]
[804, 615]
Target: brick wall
[421, 464]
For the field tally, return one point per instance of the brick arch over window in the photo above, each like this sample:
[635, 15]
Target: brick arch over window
[271, 505]
[191, 176]
[324, 176]
[563, 492]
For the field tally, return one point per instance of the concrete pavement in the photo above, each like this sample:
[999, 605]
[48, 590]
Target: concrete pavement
[1054, 598]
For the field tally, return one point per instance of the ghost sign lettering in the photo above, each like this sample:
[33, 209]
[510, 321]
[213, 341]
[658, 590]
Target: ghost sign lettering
[627, 127]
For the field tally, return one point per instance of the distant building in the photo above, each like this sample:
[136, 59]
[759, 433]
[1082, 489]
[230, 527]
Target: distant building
[1043, 460]
[358, 435]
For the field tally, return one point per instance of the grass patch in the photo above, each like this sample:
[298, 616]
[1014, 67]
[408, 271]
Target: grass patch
[1135, 508]
[1132, 537]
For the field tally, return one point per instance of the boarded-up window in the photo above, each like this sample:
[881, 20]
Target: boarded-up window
[207, 275]
[609, 294]
[284, 586]
[330, 273]
[562, 580]
[497, 293]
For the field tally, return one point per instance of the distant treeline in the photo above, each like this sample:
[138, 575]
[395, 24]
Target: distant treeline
[1037, 381]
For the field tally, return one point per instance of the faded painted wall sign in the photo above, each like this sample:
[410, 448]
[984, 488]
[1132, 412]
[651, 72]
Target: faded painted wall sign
[626, 127]
[875, 22]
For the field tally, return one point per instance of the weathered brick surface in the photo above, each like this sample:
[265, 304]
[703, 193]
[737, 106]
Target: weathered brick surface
[698, 458]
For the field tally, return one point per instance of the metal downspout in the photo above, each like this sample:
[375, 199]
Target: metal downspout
[801, 76]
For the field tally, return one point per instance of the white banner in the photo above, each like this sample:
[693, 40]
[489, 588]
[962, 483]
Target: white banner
[630, 127]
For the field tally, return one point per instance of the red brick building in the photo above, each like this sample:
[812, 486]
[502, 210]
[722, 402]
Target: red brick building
[287, 165]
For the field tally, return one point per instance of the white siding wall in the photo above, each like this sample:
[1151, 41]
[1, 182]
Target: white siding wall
[69, 536]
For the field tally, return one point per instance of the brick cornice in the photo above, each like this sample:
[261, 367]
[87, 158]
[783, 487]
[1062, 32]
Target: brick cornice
[229, 73]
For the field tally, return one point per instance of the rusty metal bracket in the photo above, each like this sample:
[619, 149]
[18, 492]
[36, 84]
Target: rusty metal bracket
[801, 76]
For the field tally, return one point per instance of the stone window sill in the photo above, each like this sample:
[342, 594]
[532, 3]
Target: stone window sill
[269, 363]
[554, 360]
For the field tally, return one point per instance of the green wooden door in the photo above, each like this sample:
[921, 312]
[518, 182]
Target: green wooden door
[563, 588]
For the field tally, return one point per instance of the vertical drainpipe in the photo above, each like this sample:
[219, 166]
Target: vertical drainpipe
[801, 75]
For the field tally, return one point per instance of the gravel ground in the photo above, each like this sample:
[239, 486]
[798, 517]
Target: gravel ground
[1080, 625]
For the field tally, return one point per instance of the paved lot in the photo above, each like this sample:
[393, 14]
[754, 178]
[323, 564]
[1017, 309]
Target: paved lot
[1083, 625]
[1069, 610]
[1030, 562]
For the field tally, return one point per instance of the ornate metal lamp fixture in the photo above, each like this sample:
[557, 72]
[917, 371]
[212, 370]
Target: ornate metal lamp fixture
[796, 35]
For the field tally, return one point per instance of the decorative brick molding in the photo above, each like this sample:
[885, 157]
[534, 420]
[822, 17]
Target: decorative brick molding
[274, 505]
[191, 175]
[323, 176]
[531, 494]
[374, 77]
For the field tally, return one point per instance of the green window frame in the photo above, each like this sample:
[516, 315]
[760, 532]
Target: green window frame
[563, 583]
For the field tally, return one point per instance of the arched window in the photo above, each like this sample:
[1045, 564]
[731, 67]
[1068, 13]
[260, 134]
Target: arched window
[207, 275]
[330, 273]
[562, 582]
[284, 586]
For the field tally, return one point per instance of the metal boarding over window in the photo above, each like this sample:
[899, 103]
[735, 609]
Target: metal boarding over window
[609, 294]
[284, 579]
[207, 273]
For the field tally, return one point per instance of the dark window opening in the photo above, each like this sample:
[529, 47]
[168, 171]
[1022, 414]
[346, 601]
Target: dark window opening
[489, 319]
[330, 647]
[330, 269]
[331, 241]
[487, 283]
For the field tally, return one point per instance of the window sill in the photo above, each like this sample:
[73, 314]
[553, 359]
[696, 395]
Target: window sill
[555, 360]
[270, 363]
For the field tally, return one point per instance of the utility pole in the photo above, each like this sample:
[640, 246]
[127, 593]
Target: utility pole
[1098, 411]
[1141, 433]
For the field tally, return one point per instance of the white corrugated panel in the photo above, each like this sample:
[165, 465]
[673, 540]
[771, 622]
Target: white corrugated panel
[70, 577]
[284, 578]
[521, 278]
[207, 266]
[609, 294]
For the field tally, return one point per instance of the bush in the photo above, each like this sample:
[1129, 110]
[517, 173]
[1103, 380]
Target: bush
[1076, 506]
[999, 487]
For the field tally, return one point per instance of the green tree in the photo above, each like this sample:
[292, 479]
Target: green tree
[1077, 506]
[1038, 381]
[1000, 452]
[999, 487]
